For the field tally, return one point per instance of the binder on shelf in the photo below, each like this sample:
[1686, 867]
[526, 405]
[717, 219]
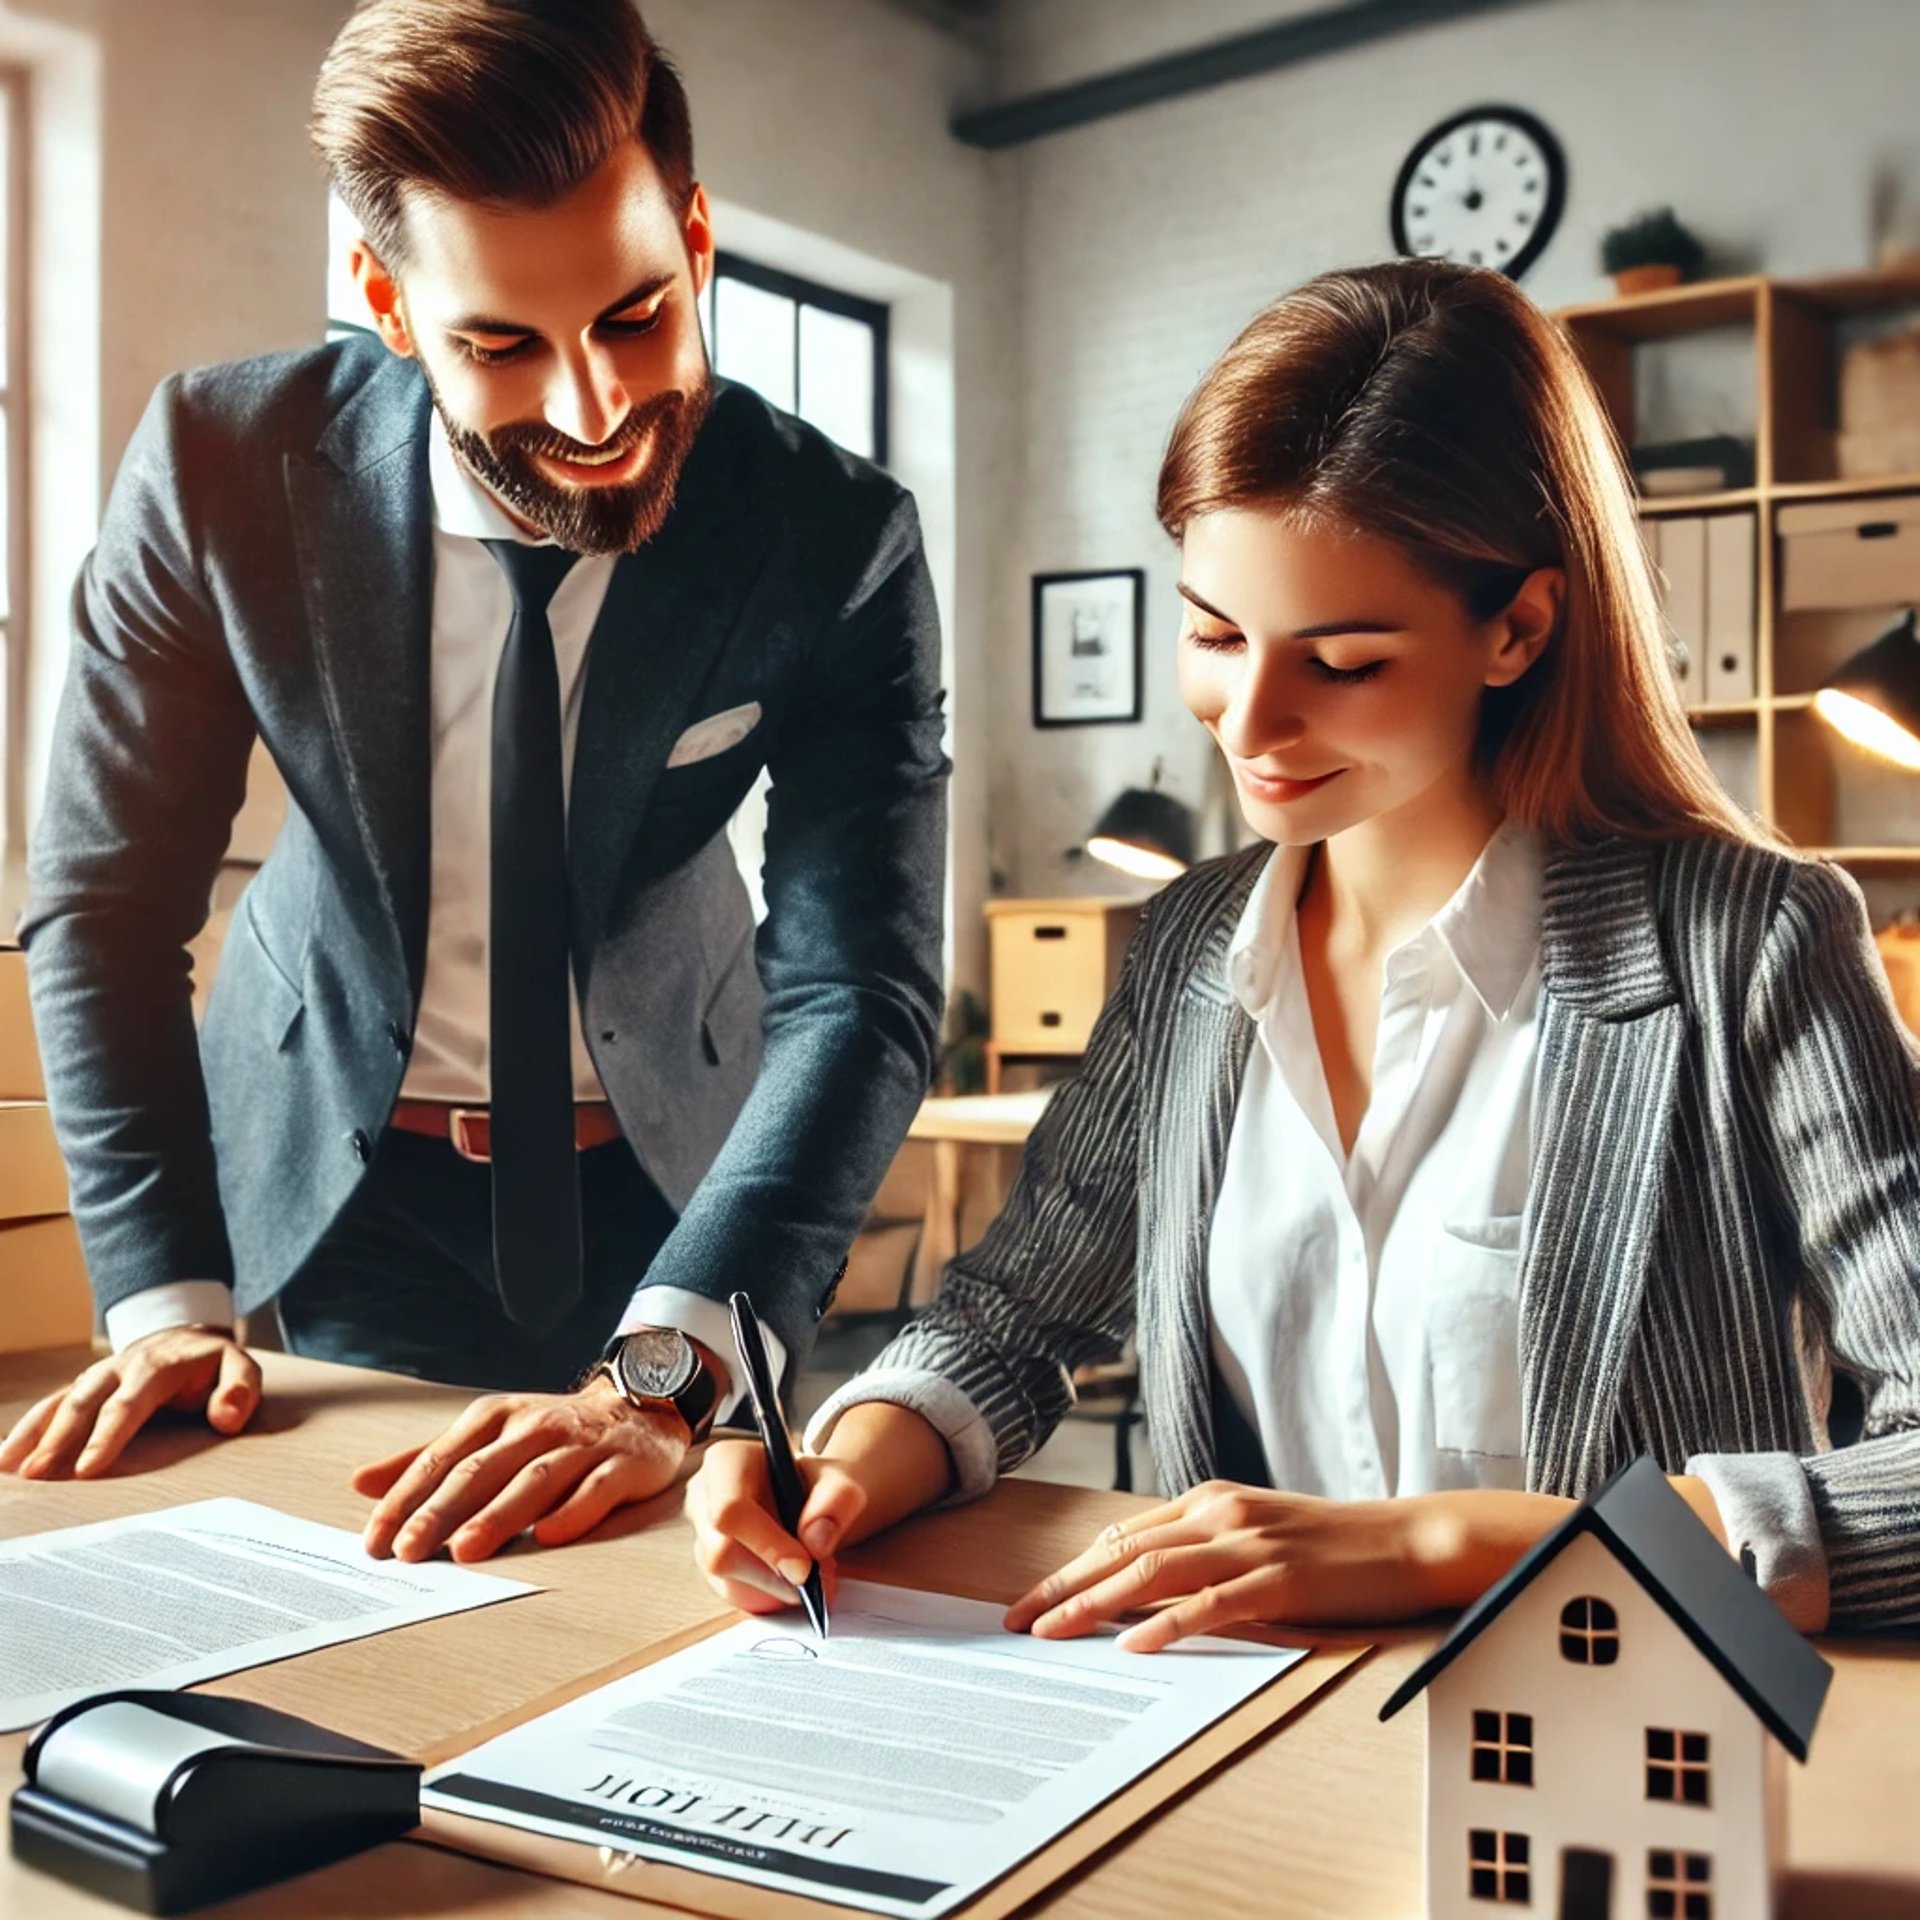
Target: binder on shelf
[1683, 559]
[1730, 636]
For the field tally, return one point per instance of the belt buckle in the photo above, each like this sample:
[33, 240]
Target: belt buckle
[457, 1124]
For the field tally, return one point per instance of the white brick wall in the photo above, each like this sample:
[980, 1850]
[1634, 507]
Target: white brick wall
[1148, 240]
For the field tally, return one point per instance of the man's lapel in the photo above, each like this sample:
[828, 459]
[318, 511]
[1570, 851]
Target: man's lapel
[363, 529]
[668, 612]
[1612, 1036]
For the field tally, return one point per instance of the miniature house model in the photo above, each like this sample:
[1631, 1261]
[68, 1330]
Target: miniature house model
[1605, 1725]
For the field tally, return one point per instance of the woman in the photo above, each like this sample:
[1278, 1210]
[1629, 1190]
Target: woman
[1517, 1110]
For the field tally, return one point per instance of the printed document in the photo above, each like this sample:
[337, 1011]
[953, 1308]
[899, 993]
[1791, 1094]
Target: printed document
[900, 1767]
[169, 1598]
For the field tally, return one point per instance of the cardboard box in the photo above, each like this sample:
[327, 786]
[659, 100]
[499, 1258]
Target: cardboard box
[1880, 383]
[33, 1177]
[1866, 453]
[20, 1077]
[43, 1281]
[1850, 553]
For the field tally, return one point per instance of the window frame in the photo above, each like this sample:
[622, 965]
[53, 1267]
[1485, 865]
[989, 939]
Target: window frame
[16, 411]
[1507, 1742]
[1590, 1643]
[874, 314]
[1680, 1766]
[1509, 1862]
[1679, 1884]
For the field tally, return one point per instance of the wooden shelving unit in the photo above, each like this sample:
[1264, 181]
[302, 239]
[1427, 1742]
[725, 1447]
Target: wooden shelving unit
[1808, 782]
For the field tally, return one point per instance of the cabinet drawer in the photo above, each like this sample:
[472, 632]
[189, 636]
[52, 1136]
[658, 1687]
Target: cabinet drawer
[1851, 553]
[1051, 973]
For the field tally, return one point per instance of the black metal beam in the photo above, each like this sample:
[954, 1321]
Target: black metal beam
[1012, 123]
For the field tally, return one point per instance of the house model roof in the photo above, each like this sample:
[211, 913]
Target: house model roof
[1658, 1538]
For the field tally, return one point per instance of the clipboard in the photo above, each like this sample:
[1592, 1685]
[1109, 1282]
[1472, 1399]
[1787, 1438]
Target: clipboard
[667, 1888]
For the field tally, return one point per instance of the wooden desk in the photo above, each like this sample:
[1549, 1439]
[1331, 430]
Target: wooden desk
[962, 1129]
[1321, 1818]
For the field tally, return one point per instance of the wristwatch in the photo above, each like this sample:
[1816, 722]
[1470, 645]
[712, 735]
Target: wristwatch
[655, 1367]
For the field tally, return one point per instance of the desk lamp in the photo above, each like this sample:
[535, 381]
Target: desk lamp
[1145, 833]
[1874, 700]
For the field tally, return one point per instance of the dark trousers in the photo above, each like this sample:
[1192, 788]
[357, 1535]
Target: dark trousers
[403, 1280]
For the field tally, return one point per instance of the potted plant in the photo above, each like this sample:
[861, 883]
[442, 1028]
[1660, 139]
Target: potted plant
[1652, 250]
[962, 1065]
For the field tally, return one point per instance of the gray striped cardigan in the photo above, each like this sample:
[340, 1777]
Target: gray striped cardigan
[1723, 1208]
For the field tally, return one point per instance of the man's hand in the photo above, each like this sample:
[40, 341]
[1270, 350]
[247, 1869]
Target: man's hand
[556, 1462]
[83, 1428]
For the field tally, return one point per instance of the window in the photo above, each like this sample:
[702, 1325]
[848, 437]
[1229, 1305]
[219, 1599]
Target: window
[1589, 1633]
[13, 469]
[1679, 1886]
[808, 349]
[1497, 1867]
[1677, 1766]
[1503, 1748]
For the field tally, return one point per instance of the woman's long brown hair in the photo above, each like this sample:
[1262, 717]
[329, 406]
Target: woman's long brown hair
[1435, 406]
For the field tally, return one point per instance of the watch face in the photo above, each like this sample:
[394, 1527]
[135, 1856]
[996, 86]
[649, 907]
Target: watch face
[1483, 189]
[655, 1364]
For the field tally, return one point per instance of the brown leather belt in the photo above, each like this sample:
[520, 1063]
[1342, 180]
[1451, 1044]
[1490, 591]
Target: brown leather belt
[467, 1130]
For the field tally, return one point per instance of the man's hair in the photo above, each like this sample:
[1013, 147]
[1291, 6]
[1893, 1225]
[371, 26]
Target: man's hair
[502, 102]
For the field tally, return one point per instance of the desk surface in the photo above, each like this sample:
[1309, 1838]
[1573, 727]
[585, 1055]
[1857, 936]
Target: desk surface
[1323, 1817]
[980, 1119]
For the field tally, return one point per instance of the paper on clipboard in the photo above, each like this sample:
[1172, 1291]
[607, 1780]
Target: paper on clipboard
[913, 1760]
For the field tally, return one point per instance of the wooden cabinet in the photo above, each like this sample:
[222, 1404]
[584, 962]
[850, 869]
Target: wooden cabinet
[1052, 964]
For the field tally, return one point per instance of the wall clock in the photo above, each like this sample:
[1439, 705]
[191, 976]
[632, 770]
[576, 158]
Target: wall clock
[1483, 189]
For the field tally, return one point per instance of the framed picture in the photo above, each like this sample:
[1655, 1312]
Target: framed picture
[1087, 646]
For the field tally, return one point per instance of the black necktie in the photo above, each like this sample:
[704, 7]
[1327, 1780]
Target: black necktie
[536, 1175]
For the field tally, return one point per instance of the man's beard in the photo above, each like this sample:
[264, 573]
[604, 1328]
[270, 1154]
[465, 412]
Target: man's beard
[586, 519]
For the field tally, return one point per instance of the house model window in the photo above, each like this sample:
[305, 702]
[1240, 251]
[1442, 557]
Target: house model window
[1589, 1633]
[1499, 1867]
[1679, 1886]
[1677, 1767]
[1503, 1747]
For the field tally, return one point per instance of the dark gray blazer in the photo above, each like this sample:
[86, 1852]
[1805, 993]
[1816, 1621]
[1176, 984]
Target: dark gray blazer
[265, 563]
[1723, 1208]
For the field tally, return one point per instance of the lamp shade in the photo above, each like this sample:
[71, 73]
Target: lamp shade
[1874, 700]
[1145, 833]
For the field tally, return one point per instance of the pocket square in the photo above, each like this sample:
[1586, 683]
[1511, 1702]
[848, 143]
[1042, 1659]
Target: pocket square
[715, 734]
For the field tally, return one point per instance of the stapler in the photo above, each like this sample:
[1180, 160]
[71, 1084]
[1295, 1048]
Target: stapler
[168, 1801]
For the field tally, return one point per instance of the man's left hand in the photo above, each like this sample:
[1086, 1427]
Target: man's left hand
[558, 1463]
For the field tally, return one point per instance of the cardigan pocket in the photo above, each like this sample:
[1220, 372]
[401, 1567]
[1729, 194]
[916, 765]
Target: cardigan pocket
[1473, 1348]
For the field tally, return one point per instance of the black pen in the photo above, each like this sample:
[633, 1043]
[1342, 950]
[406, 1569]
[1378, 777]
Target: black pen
[789, 1492]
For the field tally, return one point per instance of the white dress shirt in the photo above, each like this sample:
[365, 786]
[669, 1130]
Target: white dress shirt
[472, 608]
[1364, 1305]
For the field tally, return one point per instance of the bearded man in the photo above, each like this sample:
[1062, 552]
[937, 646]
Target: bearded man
[497, 1084]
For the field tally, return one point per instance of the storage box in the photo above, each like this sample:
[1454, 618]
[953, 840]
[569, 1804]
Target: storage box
[43, 1281]
[1850, 553]
[33, 1177]
[1053, 964]
[1880, 383]
[1863, 453]
[20, 1077]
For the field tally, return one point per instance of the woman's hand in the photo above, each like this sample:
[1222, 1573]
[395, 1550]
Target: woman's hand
[1223, 1555]
[881, 1463]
